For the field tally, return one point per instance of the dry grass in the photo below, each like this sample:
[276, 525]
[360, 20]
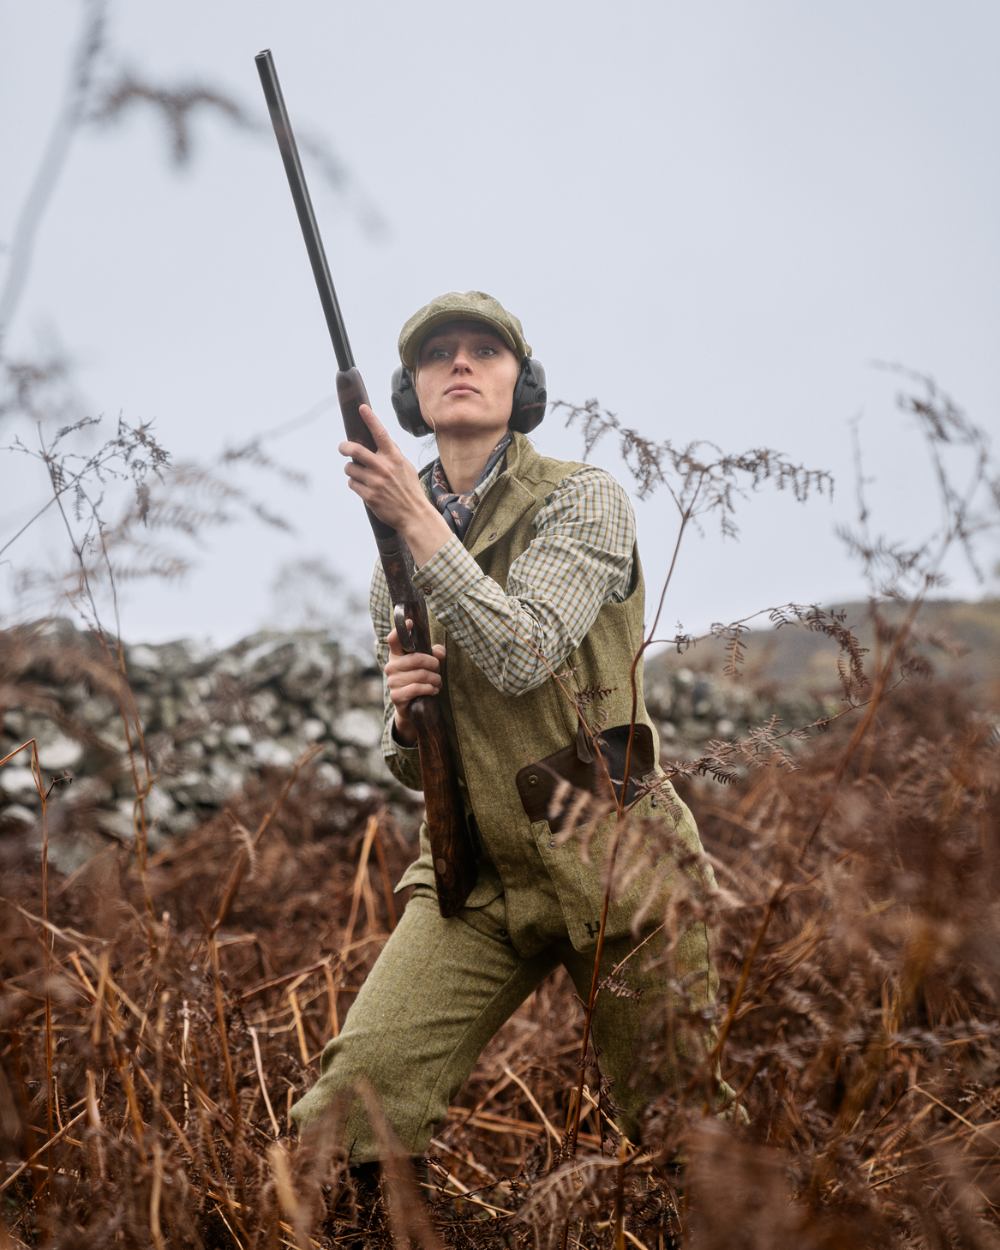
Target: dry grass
[160, 1013]
[158, 1023]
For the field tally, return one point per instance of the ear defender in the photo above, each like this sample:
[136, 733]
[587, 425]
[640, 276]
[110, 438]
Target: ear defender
[530, 397]
[527, 410]
[405, 405]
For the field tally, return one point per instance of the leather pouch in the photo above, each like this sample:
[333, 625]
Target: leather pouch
[536, 783]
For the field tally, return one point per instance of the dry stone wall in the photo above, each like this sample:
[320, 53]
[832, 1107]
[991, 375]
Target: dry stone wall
[214, 719]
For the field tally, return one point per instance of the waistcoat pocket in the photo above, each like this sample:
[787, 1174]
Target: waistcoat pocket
[542, 786]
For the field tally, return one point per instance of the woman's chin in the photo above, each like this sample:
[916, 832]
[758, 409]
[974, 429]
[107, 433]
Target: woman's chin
[469, 426]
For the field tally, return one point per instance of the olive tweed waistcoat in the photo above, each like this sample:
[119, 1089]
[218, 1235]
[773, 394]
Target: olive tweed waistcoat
[501, 742]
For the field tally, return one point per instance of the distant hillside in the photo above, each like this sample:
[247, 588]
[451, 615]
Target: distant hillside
[800, 662]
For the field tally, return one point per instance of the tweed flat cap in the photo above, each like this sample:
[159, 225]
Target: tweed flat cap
[461, 306]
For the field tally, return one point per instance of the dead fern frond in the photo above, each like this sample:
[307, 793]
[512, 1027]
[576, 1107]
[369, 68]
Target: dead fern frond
[699, 477]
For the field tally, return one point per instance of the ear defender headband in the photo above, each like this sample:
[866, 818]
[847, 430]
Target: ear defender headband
[527, 410]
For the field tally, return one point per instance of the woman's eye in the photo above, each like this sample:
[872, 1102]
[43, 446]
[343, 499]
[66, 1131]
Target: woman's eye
[487, 350]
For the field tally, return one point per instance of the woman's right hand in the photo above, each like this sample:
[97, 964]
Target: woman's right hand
[409, 676]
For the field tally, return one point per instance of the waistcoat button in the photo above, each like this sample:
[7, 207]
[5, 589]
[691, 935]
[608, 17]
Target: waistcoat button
[532, 779]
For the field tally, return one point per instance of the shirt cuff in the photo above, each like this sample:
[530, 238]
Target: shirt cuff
[402, 761]
[448, 575]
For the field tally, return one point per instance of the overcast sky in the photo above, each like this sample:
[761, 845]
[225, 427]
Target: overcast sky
[712, 217]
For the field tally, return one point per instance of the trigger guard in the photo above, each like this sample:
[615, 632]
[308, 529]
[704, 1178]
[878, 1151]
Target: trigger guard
[402, 629]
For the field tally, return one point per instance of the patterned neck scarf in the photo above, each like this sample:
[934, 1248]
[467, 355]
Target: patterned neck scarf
[457, 509]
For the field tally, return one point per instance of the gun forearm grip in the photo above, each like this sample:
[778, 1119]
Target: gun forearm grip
[455, 867]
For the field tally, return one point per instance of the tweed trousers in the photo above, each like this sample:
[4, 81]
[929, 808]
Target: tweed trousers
[440, 990]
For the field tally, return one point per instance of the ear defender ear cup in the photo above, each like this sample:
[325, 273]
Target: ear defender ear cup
[530, 397]
[527, 410]
[405, 405]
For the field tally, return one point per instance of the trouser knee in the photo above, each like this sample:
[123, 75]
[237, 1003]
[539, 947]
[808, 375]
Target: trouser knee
[368, 1103]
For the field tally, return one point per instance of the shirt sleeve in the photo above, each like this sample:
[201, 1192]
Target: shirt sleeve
[580, 558]
[402, 761]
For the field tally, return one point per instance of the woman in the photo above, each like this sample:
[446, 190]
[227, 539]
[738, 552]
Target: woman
[535, 595]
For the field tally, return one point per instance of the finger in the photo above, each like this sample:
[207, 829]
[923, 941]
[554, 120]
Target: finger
[415, 690]
[361, 474]
[398, 672]
[397, 654]
[438, 650]
[411, 661]
[363, 491]
[357, 452]
[401, 700]
[380, 434]
[395, 645]
[399, 682]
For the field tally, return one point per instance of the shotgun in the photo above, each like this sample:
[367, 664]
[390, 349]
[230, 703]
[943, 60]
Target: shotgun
[451, 842]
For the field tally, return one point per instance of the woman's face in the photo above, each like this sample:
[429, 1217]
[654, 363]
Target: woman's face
[464, 380]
